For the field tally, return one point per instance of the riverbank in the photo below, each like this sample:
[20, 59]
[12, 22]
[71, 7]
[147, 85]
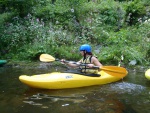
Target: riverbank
[111, 31]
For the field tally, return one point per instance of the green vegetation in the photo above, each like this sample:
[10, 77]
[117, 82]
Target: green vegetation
[114, 28]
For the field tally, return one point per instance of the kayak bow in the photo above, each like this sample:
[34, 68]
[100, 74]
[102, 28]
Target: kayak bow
[2, 62]
[147, 74]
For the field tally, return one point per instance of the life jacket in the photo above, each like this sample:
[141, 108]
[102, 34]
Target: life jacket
[85, 69]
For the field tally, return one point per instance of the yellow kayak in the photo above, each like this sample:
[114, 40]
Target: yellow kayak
[58, 80]
[147, 74]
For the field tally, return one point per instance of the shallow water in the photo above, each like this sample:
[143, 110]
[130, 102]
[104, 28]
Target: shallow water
[130, 95]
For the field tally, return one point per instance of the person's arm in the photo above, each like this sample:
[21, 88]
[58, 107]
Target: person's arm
[94, 62]
[71, 63]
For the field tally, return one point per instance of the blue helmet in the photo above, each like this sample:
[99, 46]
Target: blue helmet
[85, 47]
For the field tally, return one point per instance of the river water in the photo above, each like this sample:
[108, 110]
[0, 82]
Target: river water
[130, 95]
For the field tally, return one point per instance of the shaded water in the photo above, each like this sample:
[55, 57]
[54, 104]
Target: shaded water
[130, 95]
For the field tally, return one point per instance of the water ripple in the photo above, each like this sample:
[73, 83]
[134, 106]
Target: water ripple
[44, 99]
[125, 87]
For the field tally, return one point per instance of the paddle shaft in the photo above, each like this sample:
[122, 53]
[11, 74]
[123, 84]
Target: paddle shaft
[94, 67]
[105, 68]
[79, 64]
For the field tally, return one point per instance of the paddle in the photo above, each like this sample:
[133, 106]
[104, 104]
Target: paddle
[49, 58]
[112, 70]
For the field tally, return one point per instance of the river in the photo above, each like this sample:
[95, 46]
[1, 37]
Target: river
[130, 95]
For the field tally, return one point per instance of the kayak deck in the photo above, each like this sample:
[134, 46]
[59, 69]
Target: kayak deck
[57, 80]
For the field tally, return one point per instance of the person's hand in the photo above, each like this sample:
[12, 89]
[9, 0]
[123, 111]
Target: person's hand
[78, 63]
[63, 61]
[90, 65]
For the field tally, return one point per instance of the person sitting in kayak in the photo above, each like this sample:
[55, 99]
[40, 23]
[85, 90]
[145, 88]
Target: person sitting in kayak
[88, 60]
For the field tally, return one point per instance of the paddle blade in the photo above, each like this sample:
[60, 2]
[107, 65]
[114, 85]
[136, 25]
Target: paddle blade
[115, 71]
[46, 58]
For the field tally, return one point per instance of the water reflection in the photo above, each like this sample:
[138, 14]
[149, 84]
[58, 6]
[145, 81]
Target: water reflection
[36, 99]
[129, 88]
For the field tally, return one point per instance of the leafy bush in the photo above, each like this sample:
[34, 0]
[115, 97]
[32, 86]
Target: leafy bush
[135, 11]
[126, 43]
[20, 7]
[22, 32]
[60, 27]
